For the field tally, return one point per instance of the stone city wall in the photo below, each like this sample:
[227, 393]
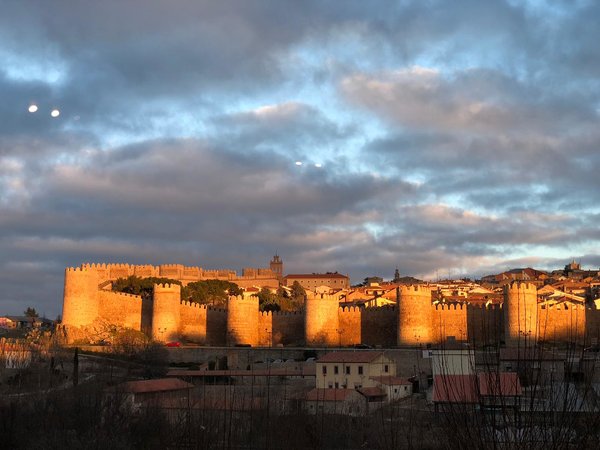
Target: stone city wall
[120, 309]
[562, 323]
[449, 321]
[414, 321]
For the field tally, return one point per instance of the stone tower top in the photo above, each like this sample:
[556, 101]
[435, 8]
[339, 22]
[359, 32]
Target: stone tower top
[276, 265]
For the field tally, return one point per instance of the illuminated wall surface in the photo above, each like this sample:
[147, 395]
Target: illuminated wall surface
[414, 321]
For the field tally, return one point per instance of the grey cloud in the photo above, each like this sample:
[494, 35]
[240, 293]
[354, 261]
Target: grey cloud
[503, 141]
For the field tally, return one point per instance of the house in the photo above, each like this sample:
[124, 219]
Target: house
[499, 389]
[394, 387]
[453, 360]
[486, 390]
[352, 369]
[335, 401]
[533, 365]
[454, 390]
[24, 322]
[149, 393]
[311, 282]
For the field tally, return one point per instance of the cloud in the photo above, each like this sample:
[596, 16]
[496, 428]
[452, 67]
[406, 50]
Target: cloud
[453, 137]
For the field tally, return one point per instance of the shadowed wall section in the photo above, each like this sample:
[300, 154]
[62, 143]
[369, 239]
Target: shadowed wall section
[242, 321]
[350, 318]
[449, 321]
[193, 322]
[379, 326]
[485, 324]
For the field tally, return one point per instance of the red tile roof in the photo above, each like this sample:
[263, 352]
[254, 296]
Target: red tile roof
[316, 275]
[499, 384]
[469, 388]
[371, 392]
[455, 389]
[350, 357]
[328, 395]
[158, 385]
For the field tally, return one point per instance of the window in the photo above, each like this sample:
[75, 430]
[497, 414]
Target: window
[395, 390]
[386, 368]
[347, 370]
[335, 370]
[405, 388]
[330, 385]
[324, 370]
[337, 385]
[360, 370]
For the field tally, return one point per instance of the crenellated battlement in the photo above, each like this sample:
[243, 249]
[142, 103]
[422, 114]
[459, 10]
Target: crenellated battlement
[189, 304]
[78, 269]
[281, 313]
[119, 266]
[167, 286]
[171, 266]
[379, 309]
[562, 307]
[323, 297]
[490, 306]
[412, 289]
[124, 295]
[449, 306]
[94, 266]
[520, 286]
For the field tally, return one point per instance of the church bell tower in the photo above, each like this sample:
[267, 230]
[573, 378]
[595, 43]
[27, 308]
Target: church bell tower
[276, 266]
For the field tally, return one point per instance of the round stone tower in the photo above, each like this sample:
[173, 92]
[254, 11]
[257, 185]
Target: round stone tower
[414, 315]
[242, 321]
[166, 312]
[321, 323]
[80, 300]
[520, 309]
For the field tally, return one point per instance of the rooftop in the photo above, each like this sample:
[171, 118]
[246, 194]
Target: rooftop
[316, 275]
[157, 385]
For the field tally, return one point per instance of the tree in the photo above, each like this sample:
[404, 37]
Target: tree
[268, 301]
[298, 292]
[30, 312]
[210, 291]
[140, 286]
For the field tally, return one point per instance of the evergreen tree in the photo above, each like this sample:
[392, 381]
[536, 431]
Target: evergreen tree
[30, 312]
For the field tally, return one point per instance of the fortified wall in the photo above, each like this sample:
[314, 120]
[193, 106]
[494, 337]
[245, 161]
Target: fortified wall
[414, 321]
[185, 274]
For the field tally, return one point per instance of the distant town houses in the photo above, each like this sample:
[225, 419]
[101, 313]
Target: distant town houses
[319, 282]
[24, 322]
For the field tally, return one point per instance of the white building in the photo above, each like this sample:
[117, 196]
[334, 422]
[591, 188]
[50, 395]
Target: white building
[353, 369]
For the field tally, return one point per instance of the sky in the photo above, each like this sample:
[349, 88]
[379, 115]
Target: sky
[445, 138]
